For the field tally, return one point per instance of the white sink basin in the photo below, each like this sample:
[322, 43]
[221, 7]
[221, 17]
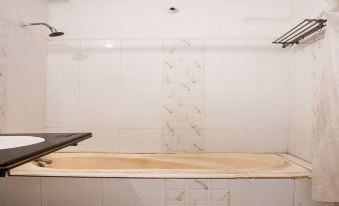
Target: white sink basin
[7, 142]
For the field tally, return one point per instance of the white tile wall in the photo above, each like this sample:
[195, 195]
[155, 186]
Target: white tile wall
[246, 97]
[24, 53]
[137, 87]
[199, 192]
[20, 191]
[71, 191]
[63, 61]
[134, 192]
[183, 99]
[99, 105]
[50, 191]
[262, 192]
[62, 105]
[101, 61]
[140, 140]
[4, 40]
[140, 106]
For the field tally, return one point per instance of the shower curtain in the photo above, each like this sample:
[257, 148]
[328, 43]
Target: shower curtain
[325, 163]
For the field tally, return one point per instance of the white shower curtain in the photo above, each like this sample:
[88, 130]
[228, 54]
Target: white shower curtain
[325, 176]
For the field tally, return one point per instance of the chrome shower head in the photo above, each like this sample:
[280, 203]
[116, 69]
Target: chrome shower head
[54, 32]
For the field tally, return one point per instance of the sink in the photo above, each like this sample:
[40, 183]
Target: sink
[7, 142]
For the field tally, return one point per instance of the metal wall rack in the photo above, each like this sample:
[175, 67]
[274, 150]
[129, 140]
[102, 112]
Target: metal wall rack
[300, 32]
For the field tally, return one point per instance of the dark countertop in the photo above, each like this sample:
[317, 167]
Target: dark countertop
[13, 157]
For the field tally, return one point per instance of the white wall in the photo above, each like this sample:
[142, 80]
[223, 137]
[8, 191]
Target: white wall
[230, 82]
[25, 65]
[196, 19]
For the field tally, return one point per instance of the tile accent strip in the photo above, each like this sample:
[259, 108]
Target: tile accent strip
[197, 192]
[4, 37]
[183, 96]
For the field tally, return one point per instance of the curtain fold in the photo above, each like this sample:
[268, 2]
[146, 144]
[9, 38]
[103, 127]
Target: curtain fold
[325, 162]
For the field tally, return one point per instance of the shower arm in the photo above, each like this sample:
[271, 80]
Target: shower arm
[44, 24]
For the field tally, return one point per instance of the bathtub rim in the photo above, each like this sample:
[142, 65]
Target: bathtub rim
[32, 170]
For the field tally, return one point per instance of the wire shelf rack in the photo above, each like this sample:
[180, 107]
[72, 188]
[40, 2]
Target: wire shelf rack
[300, 32]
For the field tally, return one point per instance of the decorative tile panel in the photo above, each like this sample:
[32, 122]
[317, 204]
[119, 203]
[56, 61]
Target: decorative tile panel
[4, 37]
[183, 96]
[197, 192]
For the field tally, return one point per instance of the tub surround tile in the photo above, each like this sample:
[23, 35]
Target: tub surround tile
[136, 192]
[99, 105]
[140, 140]
[63, 62]
[20, 191]
[140, 107]
[62, 105]
[4, 39]
[100, 62]
[183, 96]
[189, 192]
[71, 191]
[172, 85]
[141, 63]
[262, 192]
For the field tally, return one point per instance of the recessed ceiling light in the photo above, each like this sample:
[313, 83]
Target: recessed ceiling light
[109, 45]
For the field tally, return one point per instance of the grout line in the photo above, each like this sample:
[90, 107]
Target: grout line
[293, 198]
[102, 191]
[41, 202]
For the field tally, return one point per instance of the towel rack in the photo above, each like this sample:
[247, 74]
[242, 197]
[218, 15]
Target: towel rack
[300, 32]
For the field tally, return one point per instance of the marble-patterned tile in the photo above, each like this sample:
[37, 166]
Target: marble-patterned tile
[190, 192]
[183, 95]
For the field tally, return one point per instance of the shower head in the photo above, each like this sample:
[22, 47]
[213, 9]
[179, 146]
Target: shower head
[54, 32]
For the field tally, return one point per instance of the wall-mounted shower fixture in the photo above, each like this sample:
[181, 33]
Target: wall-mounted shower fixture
[54, 32]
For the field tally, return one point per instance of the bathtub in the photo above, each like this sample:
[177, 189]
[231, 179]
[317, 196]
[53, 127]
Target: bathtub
[207, 165]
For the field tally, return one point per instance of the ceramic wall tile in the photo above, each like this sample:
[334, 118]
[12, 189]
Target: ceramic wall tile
[183, 99]
[261, 112]
[262, 192]
[225, 106]
[23, 52]
[136, 192]
[79, 192]
[100, 61]
[140, 107]
[189, 192]
[271, 140]
[140, 140]
[300, 144]
[141, 63]
[4, 38]
[20, 191]
[62, 105]
[99, 105]
[226, 140]
[63, 61]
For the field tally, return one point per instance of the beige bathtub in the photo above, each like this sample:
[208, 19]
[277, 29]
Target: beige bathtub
[221, 165]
